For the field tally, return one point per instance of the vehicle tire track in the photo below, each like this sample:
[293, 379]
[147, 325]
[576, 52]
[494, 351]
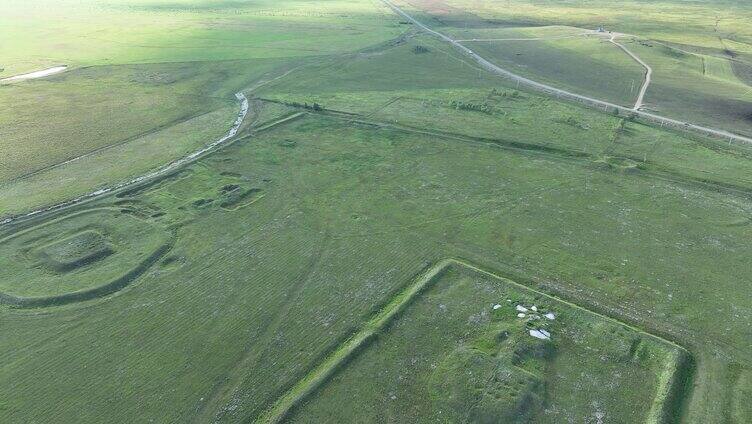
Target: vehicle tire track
[222, 395]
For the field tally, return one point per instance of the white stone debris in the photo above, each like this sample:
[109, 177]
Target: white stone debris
[520, 315]
[496, 306]
[550, 316]
[521, 308]
[540, 334]
[36, 74]
[534, 308]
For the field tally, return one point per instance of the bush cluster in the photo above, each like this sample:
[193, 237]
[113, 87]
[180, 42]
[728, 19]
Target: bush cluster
[477, 107]
[314, 106]
[503, 93]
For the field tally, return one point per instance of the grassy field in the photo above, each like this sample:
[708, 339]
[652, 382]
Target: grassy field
[54, 258]
[484, 108]
[459, 350]
[381, 190]
[48, 122]
[99, 169]
[587, 65]
[166, 70]
[703, 23]
[306, 209]
[697, 88]
[154, 31]
[689, 47]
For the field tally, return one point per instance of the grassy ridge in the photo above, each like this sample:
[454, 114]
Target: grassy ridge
[318, 376]
[94, 293]
[32, 276]
[454, 295]
[672, 390]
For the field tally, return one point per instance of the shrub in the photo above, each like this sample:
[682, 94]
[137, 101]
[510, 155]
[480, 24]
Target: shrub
[476, 107]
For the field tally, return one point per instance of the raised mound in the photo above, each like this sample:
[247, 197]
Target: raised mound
[239, 197]
[76, 251]
[78, 256]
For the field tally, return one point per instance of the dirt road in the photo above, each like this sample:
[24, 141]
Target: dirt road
[648, 71]
[161, 171]
[662, 120]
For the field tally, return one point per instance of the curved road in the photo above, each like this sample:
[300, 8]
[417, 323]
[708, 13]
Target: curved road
[161, 171]
[648, 71]
[244, 107]
[566, 94]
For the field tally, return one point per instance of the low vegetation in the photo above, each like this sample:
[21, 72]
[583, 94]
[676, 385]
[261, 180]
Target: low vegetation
[461, 350]
[475, 200]
[387, 211]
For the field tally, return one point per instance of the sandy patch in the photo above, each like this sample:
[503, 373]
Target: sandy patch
[36, 74]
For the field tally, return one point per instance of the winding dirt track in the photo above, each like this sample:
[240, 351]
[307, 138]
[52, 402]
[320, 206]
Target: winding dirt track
[602, 104]
[244, 107]
[648, 71]
[485, 64]
[161, 171]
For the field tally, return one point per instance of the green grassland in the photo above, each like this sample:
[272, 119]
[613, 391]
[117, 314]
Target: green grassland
[303, 263]
[459, 352]
[516, 32]
[689, 47]
[481, 107]
[160, 83]
[89, 128]
[286, 271]
[697, 88]
[586, 65]
[703, 23]
[155, 31]
[48, 122]
[100, 169]
[719, 68]
[75, 253]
